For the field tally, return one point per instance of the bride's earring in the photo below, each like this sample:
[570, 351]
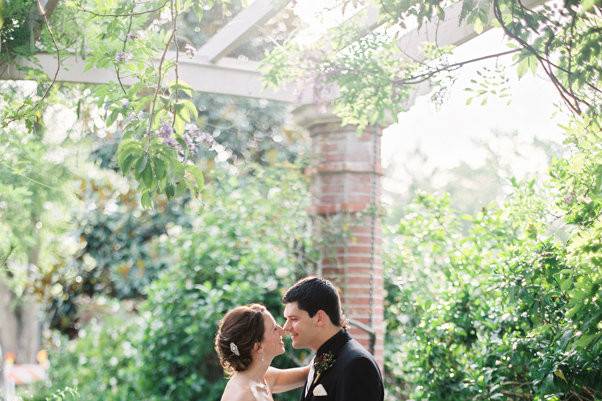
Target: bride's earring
[261, 355]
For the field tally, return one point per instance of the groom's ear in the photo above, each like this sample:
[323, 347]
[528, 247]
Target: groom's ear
[321, 317]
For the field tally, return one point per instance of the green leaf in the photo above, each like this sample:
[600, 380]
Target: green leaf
[160, 116]
[566, 283]
[559, 373]
[127, 163]
[528, 63]
[571, 312]
[585, 340]
[196, 178]
[160, 168]
[129, 150]
[146, 200]
[182, 112]
[147, 176]
[141, 164]
[112, 117]
[1, 13]
[182, 87]
[467, 7]
[170, 191]
[191, 109]
[179, 126]
[587, 5]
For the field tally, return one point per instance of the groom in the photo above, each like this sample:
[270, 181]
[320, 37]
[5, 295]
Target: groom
[342, 369]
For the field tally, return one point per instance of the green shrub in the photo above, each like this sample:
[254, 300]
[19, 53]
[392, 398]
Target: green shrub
[102, 364]
[507, 303]
[502, 311]
[241, 249]
[246, 244]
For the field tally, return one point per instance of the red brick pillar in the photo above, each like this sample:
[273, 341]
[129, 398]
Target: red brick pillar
[346, 182]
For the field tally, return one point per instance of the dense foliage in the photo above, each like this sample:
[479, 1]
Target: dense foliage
[510, 308]
[33, 196]
[375, 71]
[103, 364]
[501, 304]
[243, 247]
[163, 126]
[247, 241]
[84, 263]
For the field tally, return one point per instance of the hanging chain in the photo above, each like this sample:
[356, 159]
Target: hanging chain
[373, 212]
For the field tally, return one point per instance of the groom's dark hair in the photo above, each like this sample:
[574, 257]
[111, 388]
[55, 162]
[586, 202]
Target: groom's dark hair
[313, 294]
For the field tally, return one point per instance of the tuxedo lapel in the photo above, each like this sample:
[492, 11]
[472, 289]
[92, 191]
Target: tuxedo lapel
[303, 391]
[323, 363]
[310, 379]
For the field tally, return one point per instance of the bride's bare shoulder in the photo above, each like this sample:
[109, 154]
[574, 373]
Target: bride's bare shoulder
[236, 391]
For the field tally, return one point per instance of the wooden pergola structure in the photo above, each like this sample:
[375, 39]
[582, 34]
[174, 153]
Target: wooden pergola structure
[346, 174]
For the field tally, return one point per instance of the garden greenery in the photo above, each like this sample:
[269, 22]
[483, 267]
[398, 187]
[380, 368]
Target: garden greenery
[502, 304]
[375, 76]
[246, 242]
[506, 303]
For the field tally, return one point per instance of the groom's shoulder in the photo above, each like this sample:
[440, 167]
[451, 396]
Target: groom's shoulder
[353, 350]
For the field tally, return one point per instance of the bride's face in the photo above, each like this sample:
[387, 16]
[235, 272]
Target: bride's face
[272, 343]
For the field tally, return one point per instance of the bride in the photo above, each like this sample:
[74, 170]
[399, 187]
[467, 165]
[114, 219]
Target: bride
[247, 340]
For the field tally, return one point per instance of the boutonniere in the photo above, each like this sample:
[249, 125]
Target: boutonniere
[322, 363]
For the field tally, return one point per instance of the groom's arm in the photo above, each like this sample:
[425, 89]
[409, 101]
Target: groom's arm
[361, 381]
[281, 380]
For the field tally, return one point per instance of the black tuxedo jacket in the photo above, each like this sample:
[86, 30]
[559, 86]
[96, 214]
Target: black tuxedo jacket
[354, 375]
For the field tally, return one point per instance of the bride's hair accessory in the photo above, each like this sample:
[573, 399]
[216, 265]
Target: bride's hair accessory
[234, 349]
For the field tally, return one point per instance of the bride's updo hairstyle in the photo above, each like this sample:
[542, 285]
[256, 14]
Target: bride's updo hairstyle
[237, 333]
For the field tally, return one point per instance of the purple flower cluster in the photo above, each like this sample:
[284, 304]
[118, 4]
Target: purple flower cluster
[122, 57]
[193, 137]
[165, 132]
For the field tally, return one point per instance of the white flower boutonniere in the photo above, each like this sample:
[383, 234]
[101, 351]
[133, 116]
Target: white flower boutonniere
[322, 363]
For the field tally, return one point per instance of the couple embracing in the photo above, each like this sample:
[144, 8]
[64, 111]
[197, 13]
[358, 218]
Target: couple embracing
[249, 338]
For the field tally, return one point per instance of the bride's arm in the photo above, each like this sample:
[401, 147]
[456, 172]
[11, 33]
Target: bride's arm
[281, 380]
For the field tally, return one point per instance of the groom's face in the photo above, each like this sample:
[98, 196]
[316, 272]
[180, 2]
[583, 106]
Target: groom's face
[300, 325]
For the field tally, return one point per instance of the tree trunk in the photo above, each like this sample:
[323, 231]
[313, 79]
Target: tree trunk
[20, 327]
[8, 328]
[20, 332]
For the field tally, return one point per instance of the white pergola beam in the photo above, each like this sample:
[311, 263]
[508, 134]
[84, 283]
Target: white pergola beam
[448, 32]
[235, 32]
[364, 21]
[234, 77]
[227, 77]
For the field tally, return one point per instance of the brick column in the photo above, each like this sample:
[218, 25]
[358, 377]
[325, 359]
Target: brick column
[346, 174]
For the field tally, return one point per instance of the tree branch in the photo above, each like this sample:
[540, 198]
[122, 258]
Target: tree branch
[174, 16]
[44, 15]
[152, 110]
[543, 61]
[56, 46]
[125, 41]
[130, 14]
[416, 79]
[4, 263]
[48, 10]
